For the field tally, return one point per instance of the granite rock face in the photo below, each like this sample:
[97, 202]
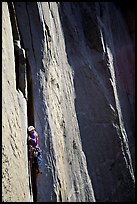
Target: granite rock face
[103, 62]
[15, 177]
[73, 79]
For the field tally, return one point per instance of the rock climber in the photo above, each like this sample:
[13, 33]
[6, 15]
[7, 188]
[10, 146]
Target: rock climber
[32, 137]
[34, 149]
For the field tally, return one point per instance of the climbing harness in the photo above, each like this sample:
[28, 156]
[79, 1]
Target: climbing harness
[35, 158]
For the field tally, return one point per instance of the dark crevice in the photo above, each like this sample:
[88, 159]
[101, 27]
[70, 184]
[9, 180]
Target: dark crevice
[19, 52]
[16, 54]
[30, 112]
[34, 183]
[13, 20]
[60, 197]
[30, 105]
[31, 121]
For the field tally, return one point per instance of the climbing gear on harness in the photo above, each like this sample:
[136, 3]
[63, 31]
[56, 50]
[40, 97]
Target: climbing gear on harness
[35, 158]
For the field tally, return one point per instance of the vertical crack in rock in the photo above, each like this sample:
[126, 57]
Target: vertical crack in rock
[31, 121]
[30, 103]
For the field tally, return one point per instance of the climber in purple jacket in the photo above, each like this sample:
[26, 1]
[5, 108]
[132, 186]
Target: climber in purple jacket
[34, 149]
[32, 136]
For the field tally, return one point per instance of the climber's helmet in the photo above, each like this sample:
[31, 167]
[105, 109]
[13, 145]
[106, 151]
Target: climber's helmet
[30, 128]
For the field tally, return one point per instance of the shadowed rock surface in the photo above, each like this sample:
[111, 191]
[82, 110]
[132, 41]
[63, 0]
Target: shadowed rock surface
[73, 79]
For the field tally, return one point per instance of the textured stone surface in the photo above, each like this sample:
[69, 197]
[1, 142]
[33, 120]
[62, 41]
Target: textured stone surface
[103, 62]
[81, 69]
[15, 185]
[65, 176]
